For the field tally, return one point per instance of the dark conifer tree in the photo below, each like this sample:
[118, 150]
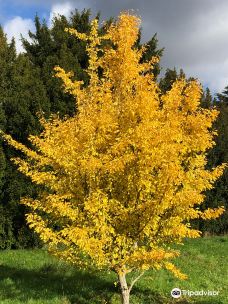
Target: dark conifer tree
[206, 99]
[223, 97]
[218, 196]
[53, 46]
[171, 75]
[7, 58]
[151, 50]
[22, 96]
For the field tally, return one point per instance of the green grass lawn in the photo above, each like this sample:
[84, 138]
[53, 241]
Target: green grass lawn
[32, 276]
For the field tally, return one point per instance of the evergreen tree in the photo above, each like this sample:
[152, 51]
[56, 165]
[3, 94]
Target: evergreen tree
[3, 54]
[206, 99]
[218, 155]
[171, 75]
[151, 50]
[223, 97]
[7, 57]
[51, 47]
[22, 95]
[26, 98]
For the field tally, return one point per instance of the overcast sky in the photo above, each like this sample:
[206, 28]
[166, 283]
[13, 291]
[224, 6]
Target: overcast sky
[193, 32]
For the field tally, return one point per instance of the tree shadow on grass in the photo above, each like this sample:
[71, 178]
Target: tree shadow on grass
[79, 287]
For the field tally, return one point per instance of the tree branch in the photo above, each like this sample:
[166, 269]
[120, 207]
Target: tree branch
[135, 280]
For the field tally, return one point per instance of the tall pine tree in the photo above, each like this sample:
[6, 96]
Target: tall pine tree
[53, 46]
[7, 58]
[218, 155]
[22, 95]
[206, 99]
[223, 97]
[171, 75]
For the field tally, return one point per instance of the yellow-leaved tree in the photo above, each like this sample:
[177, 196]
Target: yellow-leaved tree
[122, 179]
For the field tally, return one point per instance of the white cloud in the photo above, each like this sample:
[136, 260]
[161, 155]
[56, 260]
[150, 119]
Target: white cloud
[60, 9]
[66, 7]
[17, 26]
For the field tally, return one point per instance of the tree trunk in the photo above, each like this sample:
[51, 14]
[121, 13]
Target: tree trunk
[124, 289]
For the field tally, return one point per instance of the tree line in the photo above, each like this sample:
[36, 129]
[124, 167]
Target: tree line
[27, 87]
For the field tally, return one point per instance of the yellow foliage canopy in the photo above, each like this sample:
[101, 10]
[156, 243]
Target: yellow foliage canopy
[125, 175]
